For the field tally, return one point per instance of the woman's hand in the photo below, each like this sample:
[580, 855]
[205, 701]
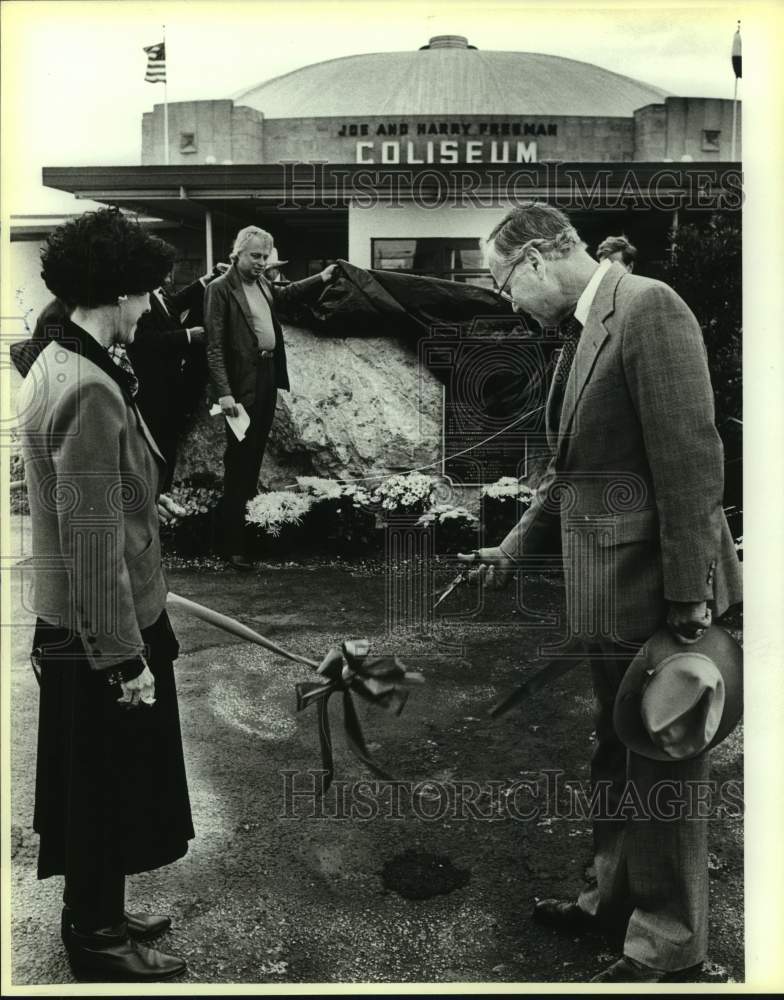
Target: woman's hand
[140, 689]
[493, 566]
[168, 510]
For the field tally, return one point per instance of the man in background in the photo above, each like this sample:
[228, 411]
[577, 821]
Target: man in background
[618, 249]
[246, 356]
[168, 358]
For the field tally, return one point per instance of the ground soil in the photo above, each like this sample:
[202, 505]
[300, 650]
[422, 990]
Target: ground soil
[281, 887]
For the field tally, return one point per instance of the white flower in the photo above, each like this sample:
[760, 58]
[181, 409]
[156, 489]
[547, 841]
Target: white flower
[403, 490]
[358, 495]
[272, 510]
[322, 489]
[445, 512]
[507, 488]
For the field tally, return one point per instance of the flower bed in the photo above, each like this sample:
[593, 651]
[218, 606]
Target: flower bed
[344, 519]
[347, 519]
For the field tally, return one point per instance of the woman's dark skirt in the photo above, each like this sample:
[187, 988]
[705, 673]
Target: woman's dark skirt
[110, 780]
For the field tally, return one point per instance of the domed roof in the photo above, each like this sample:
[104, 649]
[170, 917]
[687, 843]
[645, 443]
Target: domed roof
[449, 77]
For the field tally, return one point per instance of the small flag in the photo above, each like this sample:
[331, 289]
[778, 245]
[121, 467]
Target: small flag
[156, 63]
[736, 56]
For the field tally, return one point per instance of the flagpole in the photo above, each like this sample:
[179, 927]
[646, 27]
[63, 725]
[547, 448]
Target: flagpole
[734, 119]
[165, 103]
[737, 67]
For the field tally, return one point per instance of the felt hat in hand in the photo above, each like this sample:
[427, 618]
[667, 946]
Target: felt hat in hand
[676, 701]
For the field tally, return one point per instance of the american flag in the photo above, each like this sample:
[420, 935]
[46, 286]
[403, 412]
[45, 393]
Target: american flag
[156, 63]
[737, 60]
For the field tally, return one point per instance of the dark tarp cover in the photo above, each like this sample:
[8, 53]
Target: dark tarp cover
[495, 364]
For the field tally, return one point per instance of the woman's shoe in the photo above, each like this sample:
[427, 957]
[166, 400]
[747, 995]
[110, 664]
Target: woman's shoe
[141, 926]
[108, 955]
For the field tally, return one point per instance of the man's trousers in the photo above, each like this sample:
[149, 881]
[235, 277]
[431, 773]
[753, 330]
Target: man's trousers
[242, 459]
[650, 868]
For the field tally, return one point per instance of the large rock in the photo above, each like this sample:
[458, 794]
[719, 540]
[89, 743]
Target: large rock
[357, 407]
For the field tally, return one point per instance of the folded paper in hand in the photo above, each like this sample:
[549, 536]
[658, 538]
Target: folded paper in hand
[238, 424]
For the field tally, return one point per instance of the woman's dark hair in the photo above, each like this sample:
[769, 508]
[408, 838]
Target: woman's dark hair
[92, 260]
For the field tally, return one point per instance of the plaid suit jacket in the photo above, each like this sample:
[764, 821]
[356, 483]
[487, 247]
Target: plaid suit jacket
[636, 479]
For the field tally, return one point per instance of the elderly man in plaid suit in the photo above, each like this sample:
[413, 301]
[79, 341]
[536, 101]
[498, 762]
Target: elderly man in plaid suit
[633, 493]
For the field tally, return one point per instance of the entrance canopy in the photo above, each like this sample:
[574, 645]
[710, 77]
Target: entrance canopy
[307, 205]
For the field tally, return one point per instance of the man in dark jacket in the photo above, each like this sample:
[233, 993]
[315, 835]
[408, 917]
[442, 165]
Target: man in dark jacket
[247, 365]
[166, 356]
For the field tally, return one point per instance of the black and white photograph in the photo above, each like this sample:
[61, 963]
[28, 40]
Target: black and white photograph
[386, 387]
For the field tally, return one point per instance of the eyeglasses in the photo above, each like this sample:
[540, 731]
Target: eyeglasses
[501, 291]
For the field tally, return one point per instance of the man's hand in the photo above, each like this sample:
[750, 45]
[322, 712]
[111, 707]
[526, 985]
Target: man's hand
[196, 334]
[688, 621]
[493, 566]
[228, 406]
[216, 272]
[168, 510]
[328, 274]
[140, 689]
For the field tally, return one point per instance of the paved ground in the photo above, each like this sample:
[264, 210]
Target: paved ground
[273, 892]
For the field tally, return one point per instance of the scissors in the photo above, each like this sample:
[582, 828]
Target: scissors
[459, 580]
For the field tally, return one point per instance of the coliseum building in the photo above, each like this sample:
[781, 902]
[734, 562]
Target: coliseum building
[351, 157]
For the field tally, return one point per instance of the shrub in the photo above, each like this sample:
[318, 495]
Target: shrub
[705, 269]
[454, 528]
[502, 504]
[195, 533]
[18, 503]
[408, 493]
[272, 511]
[342, 521]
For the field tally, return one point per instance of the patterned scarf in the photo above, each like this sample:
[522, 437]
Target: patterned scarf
[120, 357]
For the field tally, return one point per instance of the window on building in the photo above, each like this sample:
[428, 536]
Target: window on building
[187, 142]
[710, 140]
[452, 258]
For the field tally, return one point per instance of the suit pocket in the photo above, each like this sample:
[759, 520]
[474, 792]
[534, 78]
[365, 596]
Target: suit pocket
[634, 526]
[142, 567]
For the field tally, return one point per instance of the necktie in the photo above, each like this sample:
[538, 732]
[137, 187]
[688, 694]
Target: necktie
[120, 358]
[570, 330]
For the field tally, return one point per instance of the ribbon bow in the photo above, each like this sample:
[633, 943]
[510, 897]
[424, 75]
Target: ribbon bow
[349, 669]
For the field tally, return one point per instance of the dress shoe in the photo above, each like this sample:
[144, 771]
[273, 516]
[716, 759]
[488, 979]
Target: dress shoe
[239, 562]
[564, 916]
[629, 970]
[109, 955]
[141, 926]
